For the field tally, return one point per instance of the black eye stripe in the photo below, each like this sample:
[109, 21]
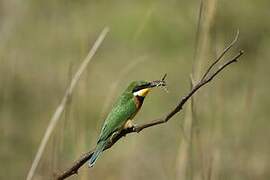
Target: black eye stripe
[137, 88]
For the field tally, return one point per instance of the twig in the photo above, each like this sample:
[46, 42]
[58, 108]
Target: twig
[222, 54]
[138, 128]
[57, 114]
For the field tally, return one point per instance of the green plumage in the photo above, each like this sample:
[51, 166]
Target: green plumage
[124, 109]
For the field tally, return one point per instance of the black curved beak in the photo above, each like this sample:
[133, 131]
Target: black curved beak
[152, 84]
[157, 83]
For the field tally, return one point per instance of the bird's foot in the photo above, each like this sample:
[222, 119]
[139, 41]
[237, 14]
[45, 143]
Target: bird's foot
[129, 124]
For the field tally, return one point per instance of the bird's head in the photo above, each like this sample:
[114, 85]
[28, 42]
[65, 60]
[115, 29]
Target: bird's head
[141, 88]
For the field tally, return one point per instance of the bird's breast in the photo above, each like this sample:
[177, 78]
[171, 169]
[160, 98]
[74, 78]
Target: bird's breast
[138, 101]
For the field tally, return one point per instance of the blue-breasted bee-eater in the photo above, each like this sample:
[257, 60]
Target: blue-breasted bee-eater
[126, 107]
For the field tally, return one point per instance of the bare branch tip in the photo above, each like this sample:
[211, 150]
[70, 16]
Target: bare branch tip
[237, 35]
[241, 52]
[106, 30]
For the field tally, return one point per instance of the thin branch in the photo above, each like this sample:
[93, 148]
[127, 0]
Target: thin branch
[57, 114]
[137, 128]
[222, 54]
[187, 97]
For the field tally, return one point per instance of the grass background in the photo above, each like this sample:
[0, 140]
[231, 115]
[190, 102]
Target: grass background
[43, 42]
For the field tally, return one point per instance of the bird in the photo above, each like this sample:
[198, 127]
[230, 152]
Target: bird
[125, 109]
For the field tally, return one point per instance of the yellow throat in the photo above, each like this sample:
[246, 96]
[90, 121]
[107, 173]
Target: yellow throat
[142, 92]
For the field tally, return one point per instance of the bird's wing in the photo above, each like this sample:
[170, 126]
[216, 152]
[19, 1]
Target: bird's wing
[122, 111]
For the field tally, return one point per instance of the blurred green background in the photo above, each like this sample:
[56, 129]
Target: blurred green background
[42, 44]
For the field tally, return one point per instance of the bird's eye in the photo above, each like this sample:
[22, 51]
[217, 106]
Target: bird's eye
[135, 89]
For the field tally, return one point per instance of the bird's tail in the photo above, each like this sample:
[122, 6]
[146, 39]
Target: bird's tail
[100, 147]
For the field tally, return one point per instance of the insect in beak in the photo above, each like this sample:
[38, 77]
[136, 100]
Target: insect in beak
[159, 83]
